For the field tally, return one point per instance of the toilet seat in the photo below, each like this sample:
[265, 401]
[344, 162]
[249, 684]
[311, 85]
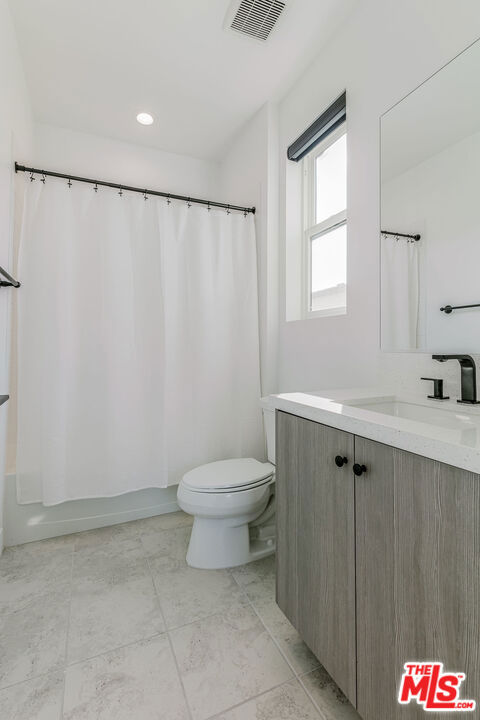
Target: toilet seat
[226, 476]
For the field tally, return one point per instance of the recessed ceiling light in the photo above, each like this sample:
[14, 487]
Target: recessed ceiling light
[145, 118]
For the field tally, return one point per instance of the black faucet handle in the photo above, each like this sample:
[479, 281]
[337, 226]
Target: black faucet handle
[437, 389]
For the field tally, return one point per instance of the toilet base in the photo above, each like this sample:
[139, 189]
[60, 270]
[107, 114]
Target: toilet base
[217, 544]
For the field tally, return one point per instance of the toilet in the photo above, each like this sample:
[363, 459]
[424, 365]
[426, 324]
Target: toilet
[233, 505]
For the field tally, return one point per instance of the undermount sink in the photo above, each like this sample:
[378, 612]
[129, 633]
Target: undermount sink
[452, 418]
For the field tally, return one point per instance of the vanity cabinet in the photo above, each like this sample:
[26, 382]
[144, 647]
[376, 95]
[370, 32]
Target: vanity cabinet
[379, 569]
[316, 541]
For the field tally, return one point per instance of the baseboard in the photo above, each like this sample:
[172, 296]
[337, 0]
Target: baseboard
[26, 523]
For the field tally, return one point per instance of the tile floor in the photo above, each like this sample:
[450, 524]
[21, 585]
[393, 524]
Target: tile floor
[112, 624]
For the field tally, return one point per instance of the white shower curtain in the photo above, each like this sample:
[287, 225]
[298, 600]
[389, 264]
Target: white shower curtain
[137, 341]
[400, 294]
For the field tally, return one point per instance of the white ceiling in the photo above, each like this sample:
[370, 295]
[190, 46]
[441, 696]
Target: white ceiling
[93, 65]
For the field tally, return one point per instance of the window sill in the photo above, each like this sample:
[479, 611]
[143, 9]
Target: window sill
[333, 312]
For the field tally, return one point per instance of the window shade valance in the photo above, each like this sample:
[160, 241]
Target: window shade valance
[326, 123]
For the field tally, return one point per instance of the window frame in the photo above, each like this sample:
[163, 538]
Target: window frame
[312, 229]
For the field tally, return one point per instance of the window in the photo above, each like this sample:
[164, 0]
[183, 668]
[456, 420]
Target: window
[325, 226]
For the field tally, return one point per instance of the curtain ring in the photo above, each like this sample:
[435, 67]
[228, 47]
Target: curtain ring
[145, 195]
[69, 183]
[96, 187]
[120, 192]
[43, 178]
[228, 209]
[168, 199]
[189, 204]
[208, 206]
[32, 179]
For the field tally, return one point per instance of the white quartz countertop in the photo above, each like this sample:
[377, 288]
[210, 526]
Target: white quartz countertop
[441, 430]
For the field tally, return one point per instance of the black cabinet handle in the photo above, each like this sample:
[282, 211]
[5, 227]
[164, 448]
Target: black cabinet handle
[359, 469]
[340, 461]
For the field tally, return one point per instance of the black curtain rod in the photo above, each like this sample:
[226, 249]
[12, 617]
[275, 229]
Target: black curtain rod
[129, 188]
[395, 234]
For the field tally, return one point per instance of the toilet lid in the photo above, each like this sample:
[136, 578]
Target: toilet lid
[228, 475]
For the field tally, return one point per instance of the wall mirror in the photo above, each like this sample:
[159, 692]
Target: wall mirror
[430, 213]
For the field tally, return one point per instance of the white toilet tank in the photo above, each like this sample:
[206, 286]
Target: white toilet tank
[269, 424]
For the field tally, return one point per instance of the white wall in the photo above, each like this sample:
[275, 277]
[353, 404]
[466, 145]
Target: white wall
[383, 51]
[100, 157]
[15, 138]
[249, 176]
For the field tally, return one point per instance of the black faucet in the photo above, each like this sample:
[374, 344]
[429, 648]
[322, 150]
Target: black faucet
[468, 376]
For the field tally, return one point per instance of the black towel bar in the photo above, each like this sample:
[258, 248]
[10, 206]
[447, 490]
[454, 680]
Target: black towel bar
[9, 281]
[449, 308]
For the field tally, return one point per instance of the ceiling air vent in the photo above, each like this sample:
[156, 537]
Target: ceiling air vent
[256, 18]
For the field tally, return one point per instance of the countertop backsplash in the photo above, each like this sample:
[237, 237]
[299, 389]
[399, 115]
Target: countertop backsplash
[405, 370]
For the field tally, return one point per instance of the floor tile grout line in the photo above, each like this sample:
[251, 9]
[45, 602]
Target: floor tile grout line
[31, 678]
[302, 683]
[65, 665]
[175, 660]
[187, 704]
[192, 622]
[151, 637]
[62, 667]
[67, 634]
[144, 559]
[276, 643]
[254, 697]
[270, 634]
[114, 649]
[34, 599]
[297, 675]
[322, 715]
[147, 558]
[284, 655]
[165, 631]
[118, 647]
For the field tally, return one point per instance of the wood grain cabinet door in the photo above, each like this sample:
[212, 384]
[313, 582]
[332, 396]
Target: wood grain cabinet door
[316, 541]
[418, 575]
[374, 500]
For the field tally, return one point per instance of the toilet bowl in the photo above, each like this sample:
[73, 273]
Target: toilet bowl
[232, 502]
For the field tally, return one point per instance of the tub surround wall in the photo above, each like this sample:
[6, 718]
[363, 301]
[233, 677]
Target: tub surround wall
[27, 523]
